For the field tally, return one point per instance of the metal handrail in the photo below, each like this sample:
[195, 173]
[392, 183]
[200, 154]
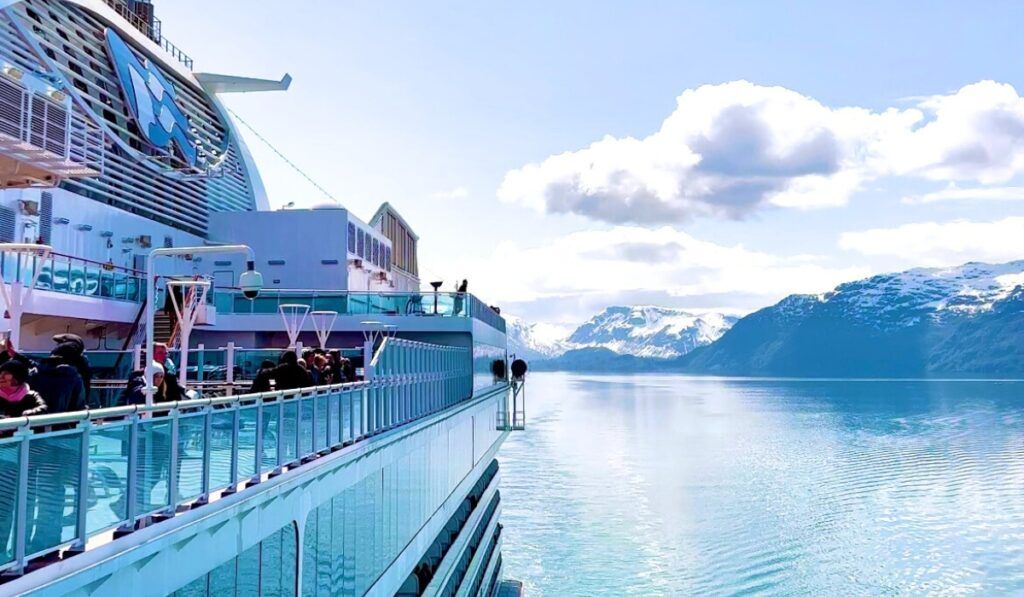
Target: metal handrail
[243, 438]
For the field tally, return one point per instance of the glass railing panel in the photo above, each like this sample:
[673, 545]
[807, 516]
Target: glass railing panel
[247, 441]
[288, 434]
[333, 415]
[10, 451]
[306, 406]
[54, 467]
[152, 469]
[320, 441]
[221, 440]
[271, 437]
[108, 470]
[191, 445]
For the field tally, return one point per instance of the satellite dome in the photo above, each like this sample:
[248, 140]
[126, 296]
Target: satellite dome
[328, 205]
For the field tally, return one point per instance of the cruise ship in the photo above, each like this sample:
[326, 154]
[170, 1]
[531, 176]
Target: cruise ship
[132, 214]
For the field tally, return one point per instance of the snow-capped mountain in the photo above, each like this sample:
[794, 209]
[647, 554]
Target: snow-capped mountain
[646, 331]
[642, 331]
[535, 341]
[912, 323]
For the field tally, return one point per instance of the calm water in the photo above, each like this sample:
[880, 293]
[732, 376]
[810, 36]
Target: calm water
[675, 485]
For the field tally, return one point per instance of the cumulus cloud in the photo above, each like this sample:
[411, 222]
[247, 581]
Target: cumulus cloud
[731, 149]
[942, 243]
[629, 263]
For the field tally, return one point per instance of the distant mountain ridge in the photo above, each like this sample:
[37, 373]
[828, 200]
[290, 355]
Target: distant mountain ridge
[958, 321]
[639, 331]
[647, 331]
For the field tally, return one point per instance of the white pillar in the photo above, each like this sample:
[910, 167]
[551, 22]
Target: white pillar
[229, 373]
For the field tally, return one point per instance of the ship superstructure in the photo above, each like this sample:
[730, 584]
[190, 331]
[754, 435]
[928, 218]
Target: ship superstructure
[112, 147]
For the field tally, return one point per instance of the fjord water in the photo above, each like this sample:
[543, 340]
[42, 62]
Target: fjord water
[680, 485]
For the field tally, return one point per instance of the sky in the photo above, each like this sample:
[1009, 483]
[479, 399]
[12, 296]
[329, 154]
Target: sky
[568, 156]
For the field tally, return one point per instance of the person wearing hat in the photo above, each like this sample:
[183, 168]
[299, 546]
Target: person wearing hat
[59, 384]
[17, 399]
[167, 388]
[71, 348]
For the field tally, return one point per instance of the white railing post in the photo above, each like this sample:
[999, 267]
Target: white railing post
[136, 357]
[229, 373]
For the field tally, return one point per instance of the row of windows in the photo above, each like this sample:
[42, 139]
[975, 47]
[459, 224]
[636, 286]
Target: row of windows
[402, 240]
[368, 248]
[266, 569]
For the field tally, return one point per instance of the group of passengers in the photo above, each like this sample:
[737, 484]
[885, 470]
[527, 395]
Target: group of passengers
[57, 383]
[60, 382]
[317, 367]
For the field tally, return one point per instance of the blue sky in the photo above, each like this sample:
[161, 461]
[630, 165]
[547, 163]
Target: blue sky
[826, 167]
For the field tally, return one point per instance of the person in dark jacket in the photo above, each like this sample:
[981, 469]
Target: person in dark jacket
[59, 384]
[167, 388]
[71, 348]
[289, 374]
[17, 399]
[264, 380]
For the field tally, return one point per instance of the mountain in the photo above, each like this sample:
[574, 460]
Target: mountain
[958, 321]
[658, 332]
[534, 341]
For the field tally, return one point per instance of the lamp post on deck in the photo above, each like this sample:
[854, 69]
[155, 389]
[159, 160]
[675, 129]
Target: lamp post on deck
[250, 281]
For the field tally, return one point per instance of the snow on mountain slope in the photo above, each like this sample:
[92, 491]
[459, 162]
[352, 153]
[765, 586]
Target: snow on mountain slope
[904, 298]
[925, 322]
[534, 341]
[647, 331]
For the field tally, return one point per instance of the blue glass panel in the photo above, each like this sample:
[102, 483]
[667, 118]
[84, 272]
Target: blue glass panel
[221, 436]
[191, 444]
[54, 470]
[247, 442]
[9, 457]
[334, 419]
[108, 472]
[289, 553]
[248, 584]
[310, 546]
[325, 554]
[153, 466]
[270, 436]
[222, 579]
[270, 565]
[196, 588]
[306, 426]
[322, 423]
[288, 435]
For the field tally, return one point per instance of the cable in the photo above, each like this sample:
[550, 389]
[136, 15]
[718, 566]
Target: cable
[281, 155]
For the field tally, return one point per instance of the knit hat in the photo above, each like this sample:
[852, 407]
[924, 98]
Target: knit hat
[17, 369]
[67, 350]
[158, 369]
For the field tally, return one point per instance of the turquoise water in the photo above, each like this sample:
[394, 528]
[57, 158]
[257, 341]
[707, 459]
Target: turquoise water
[674, 485]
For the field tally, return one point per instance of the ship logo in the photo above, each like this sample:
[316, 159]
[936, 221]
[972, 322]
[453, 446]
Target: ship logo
[151, 100]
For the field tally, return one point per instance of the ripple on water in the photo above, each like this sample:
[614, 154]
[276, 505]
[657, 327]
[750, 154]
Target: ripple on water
[676, 485]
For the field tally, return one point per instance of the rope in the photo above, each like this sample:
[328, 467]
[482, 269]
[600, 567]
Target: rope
[281, 155]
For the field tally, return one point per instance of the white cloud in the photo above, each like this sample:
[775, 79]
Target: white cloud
[627, 262]
[942, 243]
[955, 193]
[456, 193]
[728, 150]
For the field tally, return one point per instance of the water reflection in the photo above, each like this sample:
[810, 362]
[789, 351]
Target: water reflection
[669, 484]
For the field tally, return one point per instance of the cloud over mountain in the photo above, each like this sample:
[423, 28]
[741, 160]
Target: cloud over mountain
[731, 149]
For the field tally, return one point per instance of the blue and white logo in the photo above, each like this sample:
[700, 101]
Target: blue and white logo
[150, 98]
